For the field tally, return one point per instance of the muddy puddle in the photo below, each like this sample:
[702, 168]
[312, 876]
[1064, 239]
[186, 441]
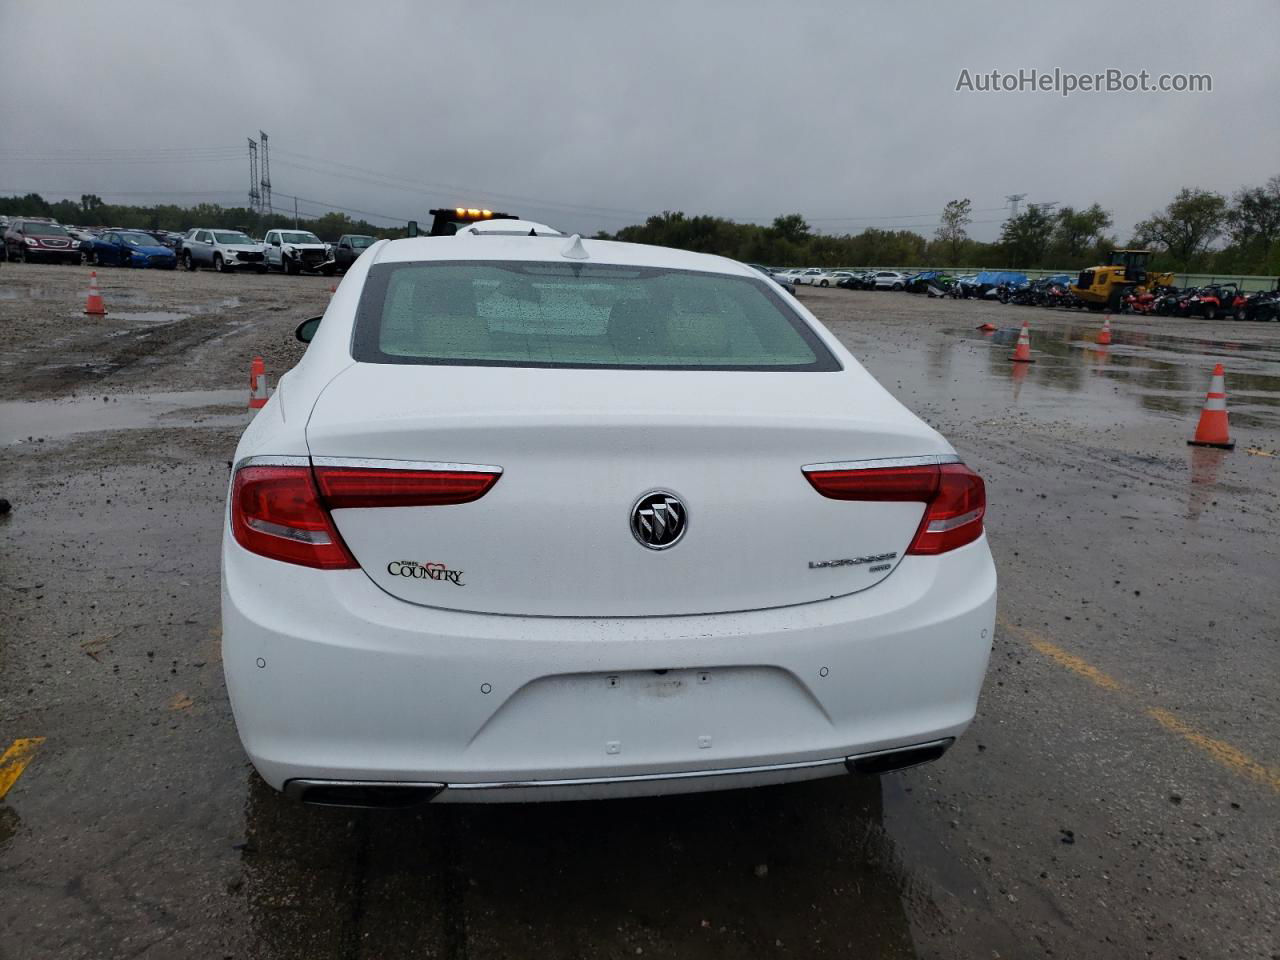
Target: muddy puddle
[21, 293]
[143, 317]
[1137, 374]
[25, 421]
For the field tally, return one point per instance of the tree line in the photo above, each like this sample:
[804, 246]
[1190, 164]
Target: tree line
[1199, 231]
[92, 211]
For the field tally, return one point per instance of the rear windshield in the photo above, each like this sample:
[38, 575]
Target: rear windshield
[535, 314]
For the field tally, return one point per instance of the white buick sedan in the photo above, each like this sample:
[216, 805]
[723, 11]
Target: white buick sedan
[539, 517]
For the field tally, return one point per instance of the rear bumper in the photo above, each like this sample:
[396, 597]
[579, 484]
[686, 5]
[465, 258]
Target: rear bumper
[333, 680]
[384, 794]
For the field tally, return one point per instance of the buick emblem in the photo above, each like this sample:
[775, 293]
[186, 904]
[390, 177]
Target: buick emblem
[659, 520]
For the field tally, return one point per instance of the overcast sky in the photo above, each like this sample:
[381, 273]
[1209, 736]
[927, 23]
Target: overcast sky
[593, 116]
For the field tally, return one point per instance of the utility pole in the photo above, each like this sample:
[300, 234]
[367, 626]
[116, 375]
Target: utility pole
[295, 213]
[255, 198]
[1014, 199]
[265, 185]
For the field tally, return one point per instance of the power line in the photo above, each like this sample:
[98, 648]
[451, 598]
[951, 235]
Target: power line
[104, 161]
[340, 209]
[350, 172]
[125, 193]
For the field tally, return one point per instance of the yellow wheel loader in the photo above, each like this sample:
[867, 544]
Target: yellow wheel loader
[1124, 272]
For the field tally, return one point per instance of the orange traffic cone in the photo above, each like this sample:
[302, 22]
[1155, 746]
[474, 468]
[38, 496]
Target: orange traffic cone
[257, 384]
[1022, 352]
[1104, 335]
[93, 305]
[987, 327]
[1212, 429]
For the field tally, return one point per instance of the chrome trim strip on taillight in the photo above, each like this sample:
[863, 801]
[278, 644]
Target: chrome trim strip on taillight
[952, 523]
[274, 462]
[370, 464]
[929, 460]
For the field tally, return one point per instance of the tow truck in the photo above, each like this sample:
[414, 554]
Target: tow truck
[447, 221]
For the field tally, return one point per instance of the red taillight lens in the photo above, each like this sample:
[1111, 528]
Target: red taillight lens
[882, 483]
[955, 499]
[276, 512]
[954, 516]
[344, 487]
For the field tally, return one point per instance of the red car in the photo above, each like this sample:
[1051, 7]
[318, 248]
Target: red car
[34, 240]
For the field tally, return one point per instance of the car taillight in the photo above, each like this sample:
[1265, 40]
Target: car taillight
[276, 512]
[346, 487]
[955, 499]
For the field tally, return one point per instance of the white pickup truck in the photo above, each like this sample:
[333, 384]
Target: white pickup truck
[293, 251]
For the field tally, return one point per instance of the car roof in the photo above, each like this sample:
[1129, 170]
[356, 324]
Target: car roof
[550, 249]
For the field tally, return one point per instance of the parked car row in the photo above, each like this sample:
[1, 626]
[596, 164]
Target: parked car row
[42, 240]
[829, 277]
[1211, 302]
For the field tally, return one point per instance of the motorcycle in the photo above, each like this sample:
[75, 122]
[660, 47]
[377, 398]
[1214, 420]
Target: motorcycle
[1166, 301]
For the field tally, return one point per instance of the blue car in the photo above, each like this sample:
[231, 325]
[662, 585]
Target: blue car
[131, 248]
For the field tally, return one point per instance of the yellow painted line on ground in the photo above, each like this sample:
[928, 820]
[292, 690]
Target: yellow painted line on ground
[181, 701]
[1077, 665]
[15, 760]
[1224, 753]
[1219, 751]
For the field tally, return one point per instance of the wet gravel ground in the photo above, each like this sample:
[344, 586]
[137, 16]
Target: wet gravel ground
[1118, 795]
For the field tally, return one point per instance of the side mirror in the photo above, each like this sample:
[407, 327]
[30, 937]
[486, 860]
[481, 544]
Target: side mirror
[306, 330]
[413, 228]
[275, 241]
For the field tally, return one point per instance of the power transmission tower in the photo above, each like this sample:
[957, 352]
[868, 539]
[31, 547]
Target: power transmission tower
[1044, 207]
[1014, 199]
[265, 185]
[255, 198]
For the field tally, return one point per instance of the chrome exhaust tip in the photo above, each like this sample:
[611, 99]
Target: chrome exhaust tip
[362, 795]
[899, 758]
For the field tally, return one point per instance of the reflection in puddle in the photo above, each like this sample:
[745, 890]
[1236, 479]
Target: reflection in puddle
[1162, 373]
[48, 419]
[1205, 464]
[805, 869]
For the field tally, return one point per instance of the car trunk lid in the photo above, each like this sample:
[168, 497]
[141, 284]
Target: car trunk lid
[579, 449]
